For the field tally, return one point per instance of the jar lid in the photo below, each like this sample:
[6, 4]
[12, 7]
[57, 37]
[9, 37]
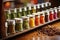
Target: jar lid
[38, 5]
[9, 11]
[42, 5]
[6, 24]
[29, 7]
[34, 6]
[23, 17]
[18, 19]
[30, 15]
[13, 21]
[55, 8]
[46, 4]
[25, 8]
[15, 10]
[20, 9]
[35, 14]
[59, 6]
[49, 4]
[47, 12]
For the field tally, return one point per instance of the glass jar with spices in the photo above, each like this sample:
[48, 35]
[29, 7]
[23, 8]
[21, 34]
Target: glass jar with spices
[58, 13]
[42, 17]
[38, 8]
[25, 22]
[13, 13]
[31, 21]
[18, 24]
[11, 26]
[51, 14]
[34, 9]
[19, 12]
[46, 15]
[24, 11]
[37, 19]
[29, 10]
[6, 29]
[7, 14]
[55, 12]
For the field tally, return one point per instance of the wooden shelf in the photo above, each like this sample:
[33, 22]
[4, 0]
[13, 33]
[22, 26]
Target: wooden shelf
[19, 33]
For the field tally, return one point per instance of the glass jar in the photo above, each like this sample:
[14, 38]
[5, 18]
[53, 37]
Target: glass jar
[11, 26]
[37, 22]
[18, 24]
[25, 22]
[51, 15]
[46, 15]
[19, 12]
[29, 10]
[31, 21]
[13, 13]
[55, 12]
[58, 13]
[42, 7]
[42, 17]
[7, 14]
[24, 11]
[34, 9]
[6, 29]
[38, 7]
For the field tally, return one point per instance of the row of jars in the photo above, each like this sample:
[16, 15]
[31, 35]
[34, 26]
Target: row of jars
[24, 11]
[31, 21]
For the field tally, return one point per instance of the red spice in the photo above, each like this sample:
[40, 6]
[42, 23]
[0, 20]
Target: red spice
[51, 16]
[36, 20]
[42, 20]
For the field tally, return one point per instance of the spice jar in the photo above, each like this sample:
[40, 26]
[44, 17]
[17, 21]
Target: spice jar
[31, 21]
[19, 12]
[46, 5]
[42, 7]
[58, 13]
[6, 29]
[25, 22]
[42, 17]
[38, 7]
[51, 15]
[46, 15]
[11, 26]
[13, 13]
[18, 24]
[55, 12]
[29, 10]
[7, 14]
[24, 11]
[34, 9]
[37, 19]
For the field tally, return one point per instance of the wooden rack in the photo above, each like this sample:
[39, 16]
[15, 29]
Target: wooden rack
[19, 33]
